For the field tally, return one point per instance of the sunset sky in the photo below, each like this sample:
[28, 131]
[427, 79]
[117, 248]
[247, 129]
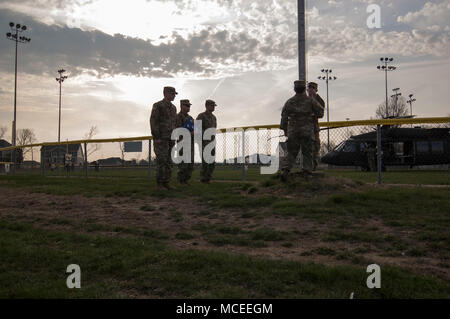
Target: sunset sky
[243, 54]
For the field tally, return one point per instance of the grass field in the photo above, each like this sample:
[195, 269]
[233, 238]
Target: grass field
[434, 177]
[229, 239]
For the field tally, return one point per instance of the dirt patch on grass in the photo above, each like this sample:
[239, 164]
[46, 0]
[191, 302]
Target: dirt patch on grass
[298, 186]
[184, 223]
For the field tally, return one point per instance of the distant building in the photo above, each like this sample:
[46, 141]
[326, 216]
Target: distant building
[56, 154]
[5, 156]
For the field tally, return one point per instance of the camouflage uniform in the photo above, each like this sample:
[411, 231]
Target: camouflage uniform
[185, 169]
[208, 121]
[317, 134]
[162, 123]
[297, 120]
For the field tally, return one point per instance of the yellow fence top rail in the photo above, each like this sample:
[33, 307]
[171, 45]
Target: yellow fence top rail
[424, 120]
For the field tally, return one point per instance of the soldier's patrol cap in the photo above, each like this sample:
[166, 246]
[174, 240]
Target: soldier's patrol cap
[312, 85]
[170, 89]
[299, 84]
[185, 102]
[210, 102]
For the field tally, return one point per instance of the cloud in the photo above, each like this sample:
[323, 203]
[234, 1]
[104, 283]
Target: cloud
[105, 55]
[353, 44]
[258, 36]
[430, 14]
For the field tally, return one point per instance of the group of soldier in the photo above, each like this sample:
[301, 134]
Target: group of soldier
[299, 122]
[163, 120]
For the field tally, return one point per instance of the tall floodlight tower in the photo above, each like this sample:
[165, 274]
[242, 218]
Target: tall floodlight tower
[395, 97]
[14, 36]
[327, 78]
[410, 101]
[60, 80]
[386, 68]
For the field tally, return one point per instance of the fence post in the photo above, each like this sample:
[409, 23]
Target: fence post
[149, 157]
[243, 155]
[42, 161]
[379, 153]
[85, 159]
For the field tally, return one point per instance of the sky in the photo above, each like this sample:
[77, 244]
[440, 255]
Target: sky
[243, 54]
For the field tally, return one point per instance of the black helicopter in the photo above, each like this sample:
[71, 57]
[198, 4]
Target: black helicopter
[400, 146]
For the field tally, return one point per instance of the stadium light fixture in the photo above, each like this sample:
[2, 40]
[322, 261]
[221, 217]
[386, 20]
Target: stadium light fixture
[327, 78]
[14, 36]
[386, 68]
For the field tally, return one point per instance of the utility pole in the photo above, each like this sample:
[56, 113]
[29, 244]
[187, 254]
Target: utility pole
[327, 77]
[386, 68]
[14, 36]
[60, 80]
[396, 95]
[301, 41]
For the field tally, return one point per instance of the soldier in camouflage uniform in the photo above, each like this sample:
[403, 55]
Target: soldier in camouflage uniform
[162, 123]
[312, 93]
[186, 121]
[297, 122]
[208, 121]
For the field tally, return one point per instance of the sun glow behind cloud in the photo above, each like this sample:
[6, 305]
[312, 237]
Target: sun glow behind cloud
[149, 20]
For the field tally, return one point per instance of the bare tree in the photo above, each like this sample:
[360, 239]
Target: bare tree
[26, 136]
[92, 147]
[396, 108]
[3, 130]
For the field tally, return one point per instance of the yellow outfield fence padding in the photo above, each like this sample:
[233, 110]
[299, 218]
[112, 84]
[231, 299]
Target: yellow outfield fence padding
[337, 124]
[423, 120]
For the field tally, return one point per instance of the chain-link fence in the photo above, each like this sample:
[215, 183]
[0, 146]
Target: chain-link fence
[406, 144]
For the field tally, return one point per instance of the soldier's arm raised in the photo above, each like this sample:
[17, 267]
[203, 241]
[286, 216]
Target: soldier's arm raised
[320, 100]
[318, 109]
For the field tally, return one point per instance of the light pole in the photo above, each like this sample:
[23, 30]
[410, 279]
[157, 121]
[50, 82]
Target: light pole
[396, 95]
[60, 80]
[327, 77]
[386, 68]
[14, 36]
[410, 101]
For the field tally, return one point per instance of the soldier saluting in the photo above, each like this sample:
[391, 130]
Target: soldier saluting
[162, 123]
[297, 122]
[312, 93]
